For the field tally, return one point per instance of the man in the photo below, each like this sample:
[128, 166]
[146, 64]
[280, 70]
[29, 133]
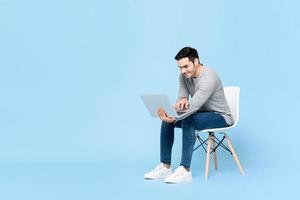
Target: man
[206, 109]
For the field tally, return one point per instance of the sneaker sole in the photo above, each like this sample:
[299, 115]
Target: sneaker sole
[182, 181]
[154, 178]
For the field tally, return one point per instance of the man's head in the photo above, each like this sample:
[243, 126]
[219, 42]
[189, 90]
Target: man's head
[187, 59]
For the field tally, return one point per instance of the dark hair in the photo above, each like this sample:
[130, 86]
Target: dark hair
[189, 52]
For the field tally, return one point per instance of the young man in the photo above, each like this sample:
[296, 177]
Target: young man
[207, 108]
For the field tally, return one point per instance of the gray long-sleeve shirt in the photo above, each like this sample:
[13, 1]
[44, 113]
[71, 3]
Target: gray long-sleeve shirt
[206, 93]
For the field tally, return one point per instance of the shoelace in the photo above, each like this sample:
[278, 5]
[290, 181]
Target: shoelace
[157, 168]
[178, 172]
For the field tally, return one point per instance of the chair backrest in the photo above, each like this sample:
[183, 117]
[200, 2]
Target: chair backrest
[232, 95]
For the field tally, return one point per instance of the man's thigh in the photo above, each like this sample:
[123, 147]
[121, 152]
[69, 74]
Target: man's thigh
[208, 120]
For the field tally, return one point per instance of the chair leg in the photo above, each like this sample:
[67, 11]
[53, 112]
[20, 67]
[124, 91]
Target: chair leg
[207, 156]
[215, 152]
[234, 154]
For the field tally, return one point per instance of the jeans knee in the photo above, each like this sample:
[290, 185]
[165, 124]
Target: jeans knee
[187, 122]
[166, 125]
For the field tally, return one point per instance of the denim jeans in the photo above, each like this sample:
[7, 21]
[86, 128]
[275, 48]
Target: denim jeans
[198, 121]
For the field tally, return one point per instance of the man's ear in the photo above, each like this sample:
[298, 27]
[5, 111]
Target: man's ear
[196, 61]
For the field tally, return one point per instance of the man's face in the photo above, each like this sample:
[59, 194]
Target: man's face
[187, 67]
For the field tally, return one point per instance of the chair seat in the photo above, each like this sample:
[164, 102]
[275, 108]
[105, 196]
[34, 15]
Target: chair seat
[216, 129]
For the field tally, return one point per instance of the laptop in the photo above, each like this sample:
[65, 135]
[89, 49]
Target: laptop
[154, 101]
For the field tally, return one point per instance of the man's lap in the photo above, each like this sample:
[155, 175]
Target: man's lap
[204, 120]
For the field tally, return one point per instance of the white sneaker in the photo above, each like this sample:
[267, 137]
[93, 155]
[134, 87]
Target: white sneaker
[180, 175]
[159, 172]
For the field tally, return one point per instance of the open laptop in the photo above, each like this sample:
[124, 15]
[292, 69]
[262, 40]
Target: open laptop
[155, 101]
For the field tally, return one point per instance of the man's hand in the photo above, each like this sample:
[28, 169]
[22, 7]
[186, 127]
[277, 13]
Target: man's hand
[163, 116]
[182, 104]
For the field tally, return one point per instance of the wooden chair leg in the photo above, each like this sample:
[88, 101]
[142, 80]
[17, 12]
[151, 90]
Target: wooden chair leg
[234, 154]
[207, 156]
[215, 152]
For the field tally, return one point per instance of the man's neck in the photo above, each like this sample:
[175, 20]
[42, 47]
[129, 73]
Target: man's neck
[198, 71]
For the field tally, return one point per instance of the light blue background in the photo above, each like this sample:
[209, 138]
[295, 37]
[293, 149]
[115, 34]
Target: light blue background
[72, 125]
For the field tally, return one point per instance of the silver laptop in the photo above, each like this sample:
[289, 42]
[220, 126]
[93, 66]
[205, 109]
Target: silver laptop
[155, 101]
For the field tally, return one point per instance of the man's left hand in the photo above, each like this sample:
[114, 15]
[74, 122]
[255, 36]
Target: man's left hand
[163, 116]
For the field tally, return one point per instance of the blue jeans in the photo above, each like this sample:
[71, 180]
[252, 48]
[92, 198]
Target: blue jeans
[198, 121]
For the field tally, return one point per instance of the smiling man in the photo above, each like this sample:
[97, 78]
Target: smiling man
[202, 97]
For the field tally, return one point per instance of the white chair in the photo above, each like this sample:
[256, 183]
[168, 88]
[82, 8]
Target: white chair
[212, 143]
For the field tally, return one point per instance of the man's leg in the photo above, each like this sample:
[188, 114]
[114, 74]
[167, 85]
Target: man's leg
[164, 170]
[166, 141]
[183, 173]
[188, 141]
[208, 120]
[198, 121]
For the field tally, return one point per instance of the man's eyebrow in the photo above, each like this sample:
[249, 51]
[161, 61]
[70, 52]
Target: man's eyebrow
[182, 66]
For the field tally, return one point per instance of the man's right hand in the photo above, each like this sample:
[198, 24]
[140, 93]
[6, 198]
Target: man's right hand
[182, 104]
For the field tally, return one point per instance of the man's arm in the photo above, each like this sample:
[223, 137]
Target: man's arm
[205, 90]
[183, 90]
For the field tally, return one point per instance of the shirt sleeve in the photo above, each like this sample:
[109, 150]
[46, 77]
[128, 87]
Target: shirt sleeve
[183, 90]
[204, 91]
[202, 94]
